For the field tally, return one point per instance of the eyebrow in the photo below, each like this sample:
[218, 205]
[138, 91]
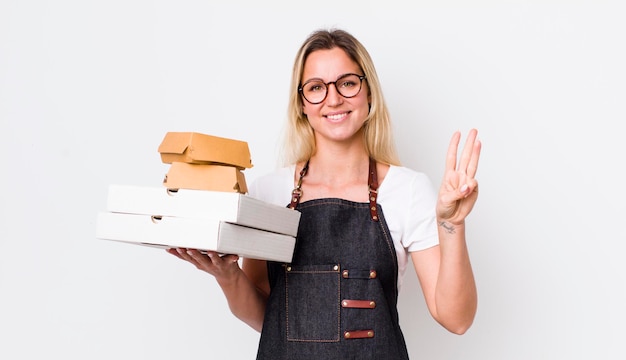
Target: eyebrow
[322, 80]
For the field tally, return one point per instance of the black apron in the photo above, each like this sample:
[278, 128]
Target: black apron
[337, 298]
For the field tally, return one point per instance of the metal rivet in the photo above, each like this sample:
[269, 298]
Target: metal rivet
[288, 268]
[336, 267]
[372, 274]
[372, 304]
[346, 335]
[372, 198]
[373, 208]
[375, 217]
[370, 334]
[344, 303]
[345, 274]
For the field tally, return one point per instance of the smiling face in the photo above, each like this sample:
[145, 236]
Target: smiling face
[337, 118]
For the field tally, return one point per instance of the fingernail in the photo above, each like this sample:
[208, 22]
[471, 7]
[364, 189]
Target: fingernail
[464, 188]
[189, 253]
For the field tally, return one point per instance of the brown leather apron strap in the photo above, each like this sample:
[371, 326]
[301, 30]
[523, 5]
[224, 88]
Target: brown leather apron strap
[373, 189]
[296, 194]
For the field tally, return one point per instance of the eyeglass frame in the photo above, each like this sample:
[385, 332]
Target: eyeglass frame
[361, 78]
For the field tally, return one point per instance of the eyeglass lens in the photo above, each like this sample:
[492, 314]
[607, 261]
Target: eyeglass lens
[315, 91]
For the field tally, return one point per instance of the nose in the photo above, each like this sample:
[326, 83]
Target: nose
[333, 98]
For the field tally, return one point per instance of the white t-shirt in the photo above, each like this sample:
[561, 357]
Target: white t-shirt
[407, 198]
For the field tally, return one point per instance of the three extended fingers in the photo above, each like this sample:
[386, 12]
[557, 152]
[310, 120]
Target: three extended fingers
[468, 162]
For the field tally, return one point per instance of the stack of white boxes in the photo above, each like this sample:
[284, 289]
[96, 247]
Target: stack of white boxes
[202, 204]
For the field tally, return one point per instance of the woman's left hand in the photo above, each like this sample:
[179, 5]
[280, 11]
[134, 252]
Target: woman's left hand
[459, 189]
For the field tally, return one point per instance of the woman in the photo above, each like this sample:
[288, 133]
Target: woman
[362, 216]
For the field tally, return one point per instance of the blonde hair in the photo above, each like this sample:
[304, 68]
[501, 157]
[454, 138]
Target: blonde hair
[299, 144]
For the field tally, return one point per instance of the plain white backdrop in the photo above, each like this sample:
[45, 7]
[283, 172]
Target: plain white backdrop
[88, 89]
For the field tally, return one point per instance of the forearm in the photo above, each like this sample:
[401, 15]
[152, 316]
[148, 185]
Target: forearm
[455, 295]
[245, 300]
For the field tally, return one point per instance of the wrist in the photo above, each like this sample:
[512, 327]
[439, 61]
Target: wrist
[450, 227]
[229, 280]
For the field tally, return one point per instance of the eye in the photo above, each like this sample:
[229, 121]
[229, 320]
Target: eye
[347, 83]
[314, 86]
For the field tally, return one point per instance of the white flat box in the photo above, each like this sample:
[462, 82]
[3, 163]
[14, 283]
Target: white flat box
[195, 233]
[229, 207]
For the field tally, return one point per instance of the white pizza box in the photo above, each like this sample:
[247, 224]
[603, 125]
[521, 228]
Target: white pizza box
[195, 233]
[229, 207]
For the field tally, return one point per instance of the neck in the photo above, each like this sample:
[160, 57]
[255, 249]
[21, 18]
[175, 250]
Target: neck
[339, 165]
[348, 150]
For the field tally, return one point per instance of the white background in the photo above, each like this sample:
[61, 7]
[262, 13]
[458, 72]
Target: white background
[88, 89]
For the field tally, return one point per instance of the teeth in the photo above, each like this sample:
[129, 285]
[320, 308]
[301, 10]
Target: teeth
[336, 117]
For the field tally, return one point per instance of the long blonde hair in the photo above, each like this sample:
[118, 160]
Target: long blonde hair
[299, 144]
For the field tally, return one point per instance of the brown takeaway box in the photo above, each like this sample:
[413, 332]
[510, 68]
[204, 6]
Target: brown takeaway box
[197, 148]
[205, 177]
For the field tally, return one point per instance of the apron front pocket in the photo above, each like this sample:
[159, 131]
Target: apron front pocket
[313, 303]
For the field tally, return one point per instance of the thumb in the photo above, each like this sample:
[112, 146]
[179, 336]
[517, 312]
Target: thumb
[231, 258]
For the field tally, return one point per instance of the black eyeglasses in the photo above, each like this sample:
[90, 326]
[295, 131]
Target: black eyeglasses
[315, 90]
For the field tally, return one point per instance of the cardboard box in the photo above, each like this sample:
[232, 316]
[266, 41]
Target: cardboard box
[195, 233]
[205, 177]
[218, 205]
[196, 148]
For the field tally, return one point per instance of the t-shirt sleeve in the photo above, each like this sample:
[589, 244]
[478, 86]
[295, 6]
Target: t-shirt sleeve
[420, 225]
[274, 188]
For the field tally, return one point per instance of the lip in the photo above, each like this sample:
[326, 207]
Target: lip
[337, 116]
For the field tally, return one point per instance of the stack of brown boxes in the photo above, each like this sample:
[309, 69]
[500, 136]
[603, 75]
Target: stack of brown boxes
[205, 162]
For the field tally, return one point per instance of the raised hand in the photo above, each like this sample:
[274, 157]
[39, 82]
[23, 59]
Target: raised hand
[459, 189]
